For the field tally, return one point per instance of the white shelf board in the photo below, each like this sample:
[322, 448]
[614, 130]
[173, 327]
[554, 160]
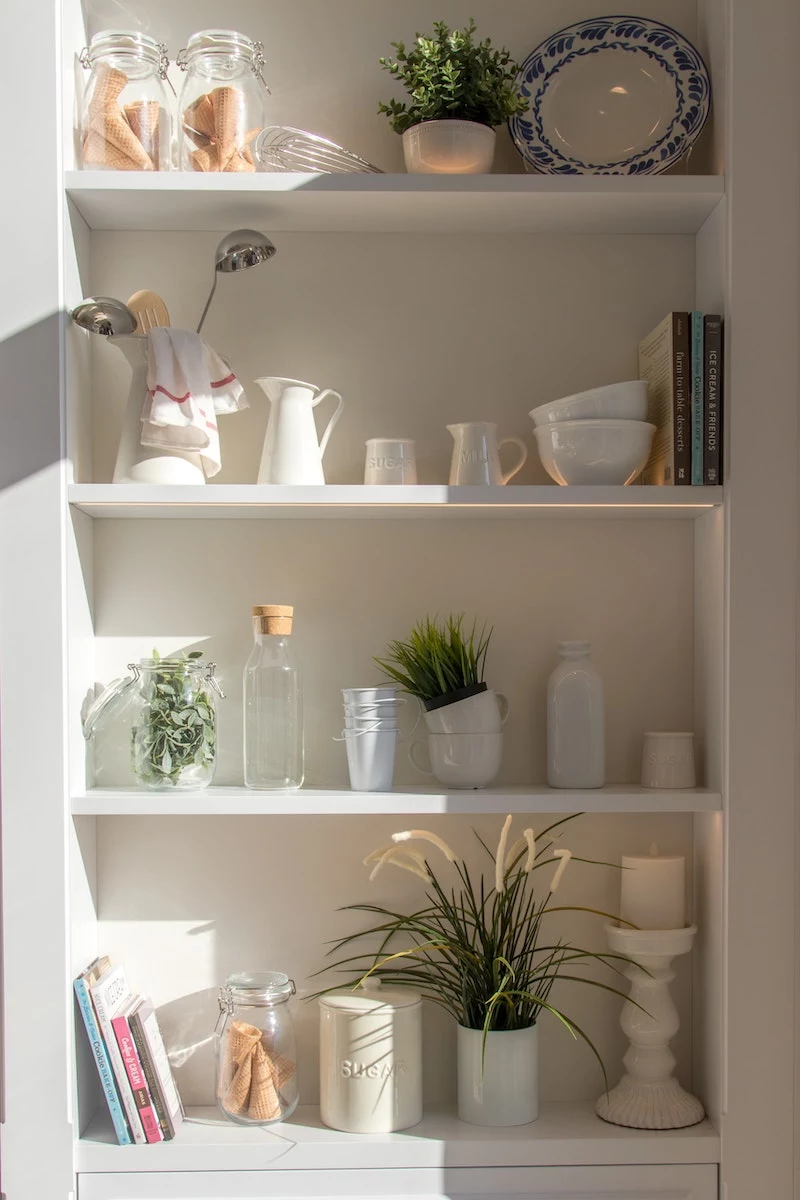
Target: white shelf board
[394, 203]
[564, 1135]
[233, 801]
[356, 500]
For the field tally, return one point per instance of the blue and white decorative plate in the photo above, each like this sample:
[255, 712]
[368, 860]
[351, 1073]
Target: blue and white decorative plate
[611, 96]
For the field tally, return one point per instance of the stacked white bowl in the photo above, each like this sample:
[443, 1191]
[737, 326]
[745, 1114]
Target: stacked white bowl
[370, 736]
[600, 436]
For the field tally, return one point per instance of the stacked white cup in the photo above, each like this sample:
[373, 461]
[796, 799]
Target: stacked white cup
[370, 736]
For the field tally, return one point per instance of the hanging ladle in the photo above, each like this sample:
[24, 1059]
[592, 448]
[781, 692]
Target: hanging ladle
[104, 315]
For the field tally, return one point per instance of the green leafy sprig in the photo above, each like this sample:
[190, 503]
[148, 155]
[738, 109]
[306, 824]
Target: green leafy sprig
[451, 76]
[439, 657]
[176, 727]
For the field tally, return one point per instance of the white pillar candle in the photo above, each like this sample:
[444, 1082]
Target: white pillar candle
[653, 890]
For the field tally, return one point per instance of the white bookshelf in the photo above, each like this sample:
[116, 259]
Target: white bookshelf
[353, 500]
[394, 203]
[566, 1135]
[427, 301]
[232, 801]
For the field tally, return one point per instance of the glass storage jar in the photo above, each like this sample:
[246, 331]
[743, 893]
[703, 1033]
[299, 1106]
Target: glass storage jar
[125, 113]
[173, 721]
[221, 108]
[256, 1055]
[273, 703]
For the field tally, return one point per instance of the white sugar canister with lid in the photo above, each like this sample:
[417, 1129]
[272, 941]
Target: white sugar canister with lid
[371, 1059]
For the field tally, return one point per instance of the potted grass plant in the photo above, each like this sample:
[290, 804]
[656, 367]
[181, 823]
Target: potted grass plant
[442, 663]
[459, 90]
[481, 950]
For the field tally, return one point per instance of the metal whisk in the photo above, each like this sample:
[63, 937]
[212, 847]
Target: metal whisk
[281, 148]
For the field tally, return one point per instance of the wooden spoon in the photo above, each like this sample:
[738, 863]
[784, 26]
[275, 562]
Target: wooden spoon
[150, 311]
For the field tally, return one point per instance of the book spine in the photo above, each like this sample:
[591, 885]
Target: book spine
[681, 394]
[103, 1069]
[133, 1066]
[697, 398]
[151, 1076]
[712, 389]
[121, 1075]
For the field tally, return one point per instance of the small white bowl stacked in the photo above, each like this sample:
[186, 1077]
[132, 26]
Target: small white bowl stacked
[601, 436]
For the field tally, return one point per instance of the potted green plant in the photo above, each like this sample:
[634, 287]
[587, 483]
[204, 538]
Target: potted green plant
[480, 949]
[442, 664]
[460, 89]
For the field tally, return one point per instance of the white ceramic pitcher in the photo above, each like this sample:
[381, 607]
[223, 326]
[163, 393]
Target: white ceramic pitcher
[476, 454]
[292, 450]
[147, 464]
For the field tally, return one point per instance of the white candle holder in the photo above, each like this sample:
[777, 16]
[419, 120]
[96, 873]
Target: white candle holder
[649, 1096]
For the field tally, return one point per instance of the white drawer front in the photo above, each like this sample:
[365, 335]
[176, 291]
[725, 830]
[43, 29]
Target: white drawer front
[507, 1183]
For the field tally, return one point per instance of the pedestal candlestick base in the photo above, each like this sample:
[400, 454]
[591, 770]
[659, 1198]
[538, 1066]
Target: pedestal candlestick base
[648, 1096]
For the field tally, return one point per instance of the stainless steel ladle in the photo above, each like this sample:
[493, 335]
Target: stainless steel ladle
[236, 252]
[104, 315]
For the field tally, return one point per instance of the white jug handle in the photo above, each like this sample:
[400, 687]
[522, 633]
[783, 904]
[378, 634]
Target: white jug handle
[422, 770]
[503, 705]
[323, 442]
[517, 442]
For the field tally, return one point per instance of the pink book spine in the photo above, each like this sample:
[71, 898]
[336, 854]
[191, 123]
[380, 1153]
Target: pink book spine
[133, 1066]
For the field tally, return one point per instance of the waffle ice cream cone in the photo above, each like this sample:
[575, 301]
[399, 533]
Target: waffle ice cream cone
[108, 84]
[97, 152]
[229, 117]
[237, 1096]
[238, 163]
[198, 121]
[282, 1069]
[144, 118]
[205, 160]
[112, 126]
[264, 1104]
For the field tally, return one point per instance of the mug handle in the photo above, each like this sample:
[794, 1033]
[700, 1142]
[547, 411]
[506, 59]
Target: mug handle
[516, 442]
[503, 705]
[422, 770]
[323, 441]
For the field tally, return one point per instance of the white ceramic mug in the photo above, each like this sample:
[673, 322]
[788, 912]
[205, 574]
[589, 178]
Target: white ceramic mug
[668, 760]
[391, 461]
[486, 712]
[476, 455]
[460, 760]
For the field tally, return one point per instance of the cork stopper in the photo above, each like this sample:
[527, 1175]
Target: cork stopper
[274, 618]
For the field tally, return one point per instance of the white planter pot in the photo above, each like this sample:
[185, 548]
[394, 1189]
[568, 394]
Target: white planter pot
[502, 1086]
[449, 148]
[486, 712]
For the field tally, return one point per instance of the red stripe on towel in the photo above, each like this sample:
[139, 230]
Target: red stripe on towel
[218, 383]
[177, 399]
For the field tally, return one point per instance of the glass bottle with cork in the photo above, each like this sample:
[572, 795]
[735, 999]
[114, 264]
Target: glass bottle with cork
[273, 703]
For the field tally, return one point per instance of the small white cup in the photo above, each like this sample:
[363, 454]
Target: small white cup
[460, 760]
[668, 760]
[370, 759]
[390, 461]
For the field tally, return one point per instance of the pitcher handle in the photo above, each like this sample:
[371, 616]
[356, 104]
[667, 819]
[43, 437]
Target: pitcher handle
[329, 427]
[516, 442]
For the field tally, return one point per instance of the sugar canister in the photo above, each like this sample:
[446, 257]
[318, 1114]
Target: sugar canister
[371, 1060]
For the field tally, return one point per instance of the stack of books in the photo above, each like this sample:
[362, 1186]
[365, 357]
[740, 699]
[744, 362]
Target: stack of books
[130, 1055]
[682, 363]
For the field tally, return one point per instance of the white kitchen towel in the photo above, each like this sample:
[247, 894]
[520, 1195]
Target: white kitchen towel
[188, 386]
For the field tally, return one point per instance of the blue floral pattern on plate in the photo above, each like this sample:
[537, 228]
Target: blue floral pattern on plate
[665, 47]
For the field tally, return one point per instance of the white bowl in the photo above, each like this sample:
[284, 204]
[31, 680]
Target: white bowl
[615, 402]
[610, 452]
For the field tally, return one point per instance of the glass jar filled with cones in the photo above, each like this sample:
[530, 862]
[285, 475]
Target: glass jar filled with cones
[222, 103]
[255, 1049]
[125, 114]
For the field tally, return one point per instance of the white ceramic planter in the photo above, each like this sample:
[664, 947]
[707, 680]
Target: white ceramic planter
[449, 148]
[486, 712]
[502, 1086]
[460, 760]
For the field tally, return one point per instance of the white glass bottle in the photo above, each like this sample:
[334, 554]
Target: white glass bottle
[273, 703]
[576, 753]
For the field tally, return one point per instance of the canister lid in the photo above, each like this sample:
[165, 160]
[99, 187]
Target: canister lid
[257, 988]
[274, 618]
[365, 1000]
